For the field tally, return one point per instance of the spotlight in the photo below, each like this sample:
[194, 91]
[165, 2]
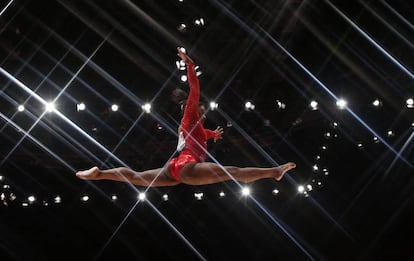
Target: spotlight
[325, 172]
[164, 197]
[327, 135]
[341, 103]
[213, 106]
[301, 189]
[182, 28]
[314, 105]
[376, 140]
[183, 78]
[199, 195]
[280, 105]
[1, 178]
[359, 145]
[246, 191]
[410, 103]
[31, 199]
[24, 204]
[50, 107]
[80, 106]
[141, 196]
[180, 65]
[114, 197]
[324, 147]
[45, 203]
[20, 108]
[85, 198]
[222, 194]
[377, 103]
[58, 199]
[249, 106]
[335, 125]
[315, 168]
[146, 107]
[114, 107]
[199, 22]
[390, 133]
[275, 192]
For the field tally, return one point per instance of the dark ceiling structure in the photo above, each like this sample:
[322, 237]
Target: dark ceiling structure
[350, 197]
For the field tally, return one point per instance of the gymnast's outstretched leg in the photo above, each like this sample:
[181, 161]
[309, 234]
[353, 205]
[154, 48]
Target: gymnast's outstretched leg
[154, 177]
[207, 173]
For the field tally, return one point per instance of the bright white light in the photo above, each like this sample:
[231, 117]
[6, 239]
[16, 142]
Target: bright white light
[165, 197]
[249, 105]
[50, 107]
[360, 145]
[341, 103]
[80, 106]
[327, 135]
[146, 107]
[199, 22]
[246, 191]
[275, 191]
[314, 105]
[199, 195]
[114, 197]
[324, 147]
[213, 106]
[114, 107]
[280, 105]
[410, 103]
[335, 124]
[45, 203]
[301, 189]
[222, 194]
[309, 187]
[1, 178]
[315, 167]
[20, 108]
[376, 140]
[183, 78]
[141, 196]
[6, 186]
[318, 157]
[24, 204]
[85, 198]
[31, 199]
[376, 103]
[182, 28]
[58, 199]
[390, 133]
[182, 48]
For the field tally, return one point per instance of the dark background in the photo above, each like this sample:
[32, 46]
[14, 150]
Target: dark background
[124, 52]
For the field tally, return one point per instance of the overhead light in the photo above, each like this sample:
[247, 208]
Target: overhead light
[50, 107]
[80, 106]
[249, 106]
[245, 191]
[114, 107]
[341, 103]
[141, 196]
[198, 195]
[314, 105]
[213, 106]
[377, 103]
[410, 103]
[183, 78]
[20, 108]
[165, 197]
[146, 107]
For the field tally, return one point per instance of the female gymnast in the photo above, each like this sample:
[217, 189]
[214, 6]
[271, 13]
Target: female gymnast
[189, 167]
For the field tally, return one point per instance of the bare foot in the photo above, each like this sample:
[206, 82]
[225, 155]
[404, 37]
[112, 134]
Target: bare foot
[282, 169]
[89, 174]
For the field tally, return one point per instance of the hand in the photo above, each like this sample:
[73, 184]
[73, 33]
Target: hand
[217, 133]
[187, 60]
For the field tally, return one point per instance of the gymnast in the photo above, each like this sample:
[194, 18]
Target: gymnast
[189, 167]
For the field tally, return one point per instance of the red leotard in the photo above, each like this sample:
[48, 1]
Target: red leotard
[194, 133]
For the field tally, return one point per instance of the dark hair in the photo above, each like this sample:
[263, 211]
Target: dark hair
[179, 96]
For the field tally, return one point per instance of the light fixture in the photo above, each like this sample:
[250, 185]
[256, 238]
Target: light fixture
[165, 197]
[341, 103]
[222, 194]
[301, 188]
[114, 107]
[245, 191]
[58, 199]
[213, 106]
[31, 199]
[183, 78]
[314, 105]
[141, 196]
[114, 197]
[85, 198]
[50, 107]
[249, 106]
[146, 107]
[275, 192]
[377, 103]
[198, 195]
[410, 103]
[20, 108]
[80, 106]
